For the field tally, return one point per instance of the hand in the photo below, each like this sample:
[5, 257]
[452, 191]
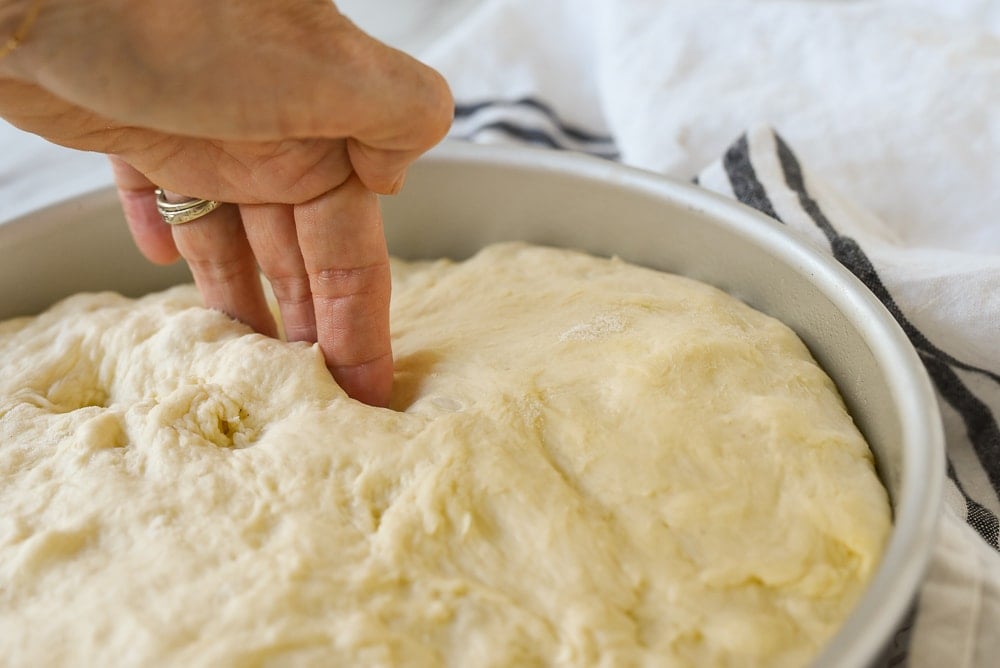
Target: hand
[284, 109]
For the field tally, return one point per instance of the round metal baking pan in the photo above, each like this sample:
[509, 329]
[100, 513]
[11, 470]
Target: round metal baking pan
[462, 196]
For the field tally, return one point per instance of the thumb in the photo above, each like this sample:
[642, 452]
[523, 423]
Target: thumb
[401, 109]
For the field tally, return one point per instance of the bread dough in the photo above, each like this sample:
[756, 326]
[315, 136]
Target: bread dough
[589, 464]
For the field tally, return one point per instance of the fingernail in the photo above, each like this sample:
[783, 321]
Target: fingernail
[174, 198]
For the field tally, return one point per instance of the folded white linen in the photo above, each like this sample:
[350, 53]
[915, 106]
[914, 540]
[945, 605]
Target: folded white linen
[888, 100]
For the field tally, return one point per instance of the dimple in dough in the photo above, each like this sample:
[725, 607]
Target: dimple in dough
[589, 464]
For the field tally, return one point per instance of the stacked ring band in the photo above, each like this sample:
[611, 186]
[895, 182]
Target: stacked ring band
[177, 213]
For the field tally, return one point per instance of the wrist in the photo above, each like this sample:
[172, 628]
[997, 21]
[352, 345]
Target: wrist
[17, 21]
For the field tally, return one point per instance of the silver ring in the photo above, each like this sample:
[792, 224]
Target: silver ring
[177, 213]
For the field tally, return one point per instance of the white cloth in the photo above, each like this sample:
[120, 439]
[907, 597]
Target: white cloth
[893, 103]
[35, 174]
[884, 98]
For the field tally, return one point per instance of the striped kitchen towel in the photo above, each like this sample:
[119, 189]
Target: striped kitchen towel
[957, 616]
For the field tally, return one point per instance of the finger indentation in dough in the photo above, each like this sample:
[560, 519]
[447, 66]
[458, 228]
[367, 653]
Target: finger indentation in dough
[206, 414]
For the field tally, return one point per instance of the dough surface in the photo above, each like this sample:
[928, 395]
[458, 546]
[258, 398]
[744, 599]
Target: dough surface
[589, 464]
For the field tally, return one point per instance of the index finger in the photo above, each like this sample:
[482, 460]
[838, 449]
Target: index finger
[343, 247]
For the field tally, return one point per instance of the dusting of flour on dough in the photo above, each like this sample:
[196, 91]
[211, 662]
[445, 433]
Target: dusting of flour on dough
[587, 464]
[598, 327]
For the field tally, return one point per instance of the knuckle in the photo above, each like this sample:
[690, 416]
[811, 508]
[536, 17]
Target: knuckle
[291, 290]
[361, 360]
[346, 282]
[220, 271]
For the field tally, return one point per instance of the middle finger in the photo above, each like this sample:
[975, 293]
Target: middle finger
[270, 229]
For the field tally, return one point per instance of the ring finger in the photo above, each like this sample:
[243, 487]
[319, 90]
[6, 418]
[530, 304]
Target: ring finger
[216, 249]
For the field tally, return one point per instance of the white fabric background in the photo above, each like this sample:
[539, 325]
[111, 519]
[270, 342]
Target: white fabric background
[893, 103]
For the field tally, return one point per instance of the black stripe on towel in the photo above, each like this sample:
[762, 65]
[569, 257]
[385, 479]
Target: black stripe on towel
[514, 118]
[529, 135]
[572, 131]
[536, 137]
[981, 425]
[743, 179]
[896, 653]
[847, 251]
[979, 518]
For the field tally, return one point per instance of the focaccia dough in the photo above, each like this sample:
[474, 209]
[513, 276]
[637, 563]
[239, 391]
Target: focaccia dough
[589, 464]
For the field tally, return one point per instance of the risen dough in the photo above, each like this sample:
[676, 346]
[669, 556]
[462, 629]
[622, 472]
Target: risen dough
[589, 464]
